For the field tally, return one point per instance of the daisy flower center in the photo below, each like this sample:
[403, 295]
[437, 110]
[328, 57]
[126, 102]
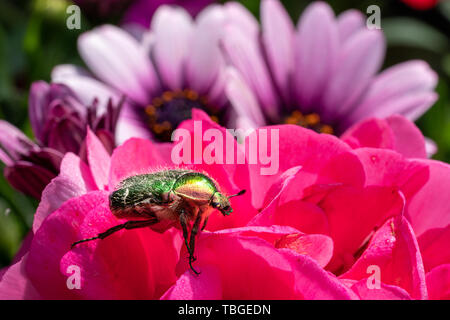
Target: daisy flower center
[309, 121]
[166, 112]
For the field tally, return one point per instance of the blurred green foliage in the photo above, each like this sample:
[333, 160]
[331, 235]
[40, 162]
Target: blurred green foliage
[34, 38]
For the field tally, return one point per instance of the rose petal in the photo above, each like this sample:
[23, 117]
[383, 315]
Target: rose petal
[438, 283]
[99, 160]
[394, 250]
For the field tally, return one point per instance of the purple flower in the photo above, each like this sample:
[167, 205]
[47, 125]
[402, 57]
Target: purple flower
[59, 121]
[321, 74]
[102, 8]
[136, 11]
[28, 167]
[166, 71]
[141, 11]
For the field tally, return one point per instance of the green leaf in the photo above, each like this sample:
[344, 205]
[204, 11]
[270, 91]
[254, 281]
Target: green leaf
[410, 32]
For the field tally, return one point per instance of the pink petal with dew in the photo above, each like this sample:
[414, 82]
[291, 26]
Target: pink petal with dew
[438, 283]
[24, 248]
[131, 264]
[304, 216]
[172, 28]
[53, 240]
[430, 207]
[314, 282]
[278, 39]
[316, 47]
[352, 214]
[384, 292]
[395, 133]
[281, 273]
[135, 156]
[394, 250]
[99, 160]
[230, 176]
[74, 180]
[14, 285]
[205, 286]
[434, 247]
[388, 168]
[318, 154]
[317, 246]
[409, 141]
[233, 256]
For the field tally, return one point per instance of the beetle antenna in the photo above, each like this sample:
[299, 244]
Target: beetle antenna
[237, 194]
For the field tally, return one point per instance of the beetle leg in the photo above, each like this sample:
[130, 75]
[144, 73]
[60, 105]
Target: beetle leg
[127, 225]
[183, 223]
[194, 232]
[204, 224]
[191, 244]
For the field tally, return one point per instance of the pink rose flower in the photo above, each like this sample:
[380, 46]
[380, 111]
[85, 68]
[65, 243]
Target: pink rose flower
[335, 210]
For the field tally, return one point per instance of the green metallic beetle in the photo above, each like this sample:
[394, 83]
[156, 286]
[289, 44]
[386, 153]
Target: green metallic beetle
[165, 199]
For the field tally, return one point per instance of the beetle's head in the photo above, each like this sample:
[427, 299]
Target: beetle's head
[222, 203]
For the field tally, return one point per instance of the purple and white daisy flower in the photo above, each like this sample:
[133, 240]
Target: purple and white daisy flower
[321, 74]
[164, 72]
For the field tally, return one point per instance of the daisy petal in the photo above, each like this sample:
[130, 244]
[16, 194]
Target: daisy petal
[242, 98]
[204, 60]
[84, 85]
[238, 15]
[349, 22]
[278, 36]
[116, 58]
[360, 58]
[405, 88]
[244, 54]
[172, 29]
[316, 52]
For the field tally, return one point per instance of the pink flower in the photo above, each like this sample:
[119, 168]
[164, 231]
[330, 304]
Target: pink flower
[421, 4]
[312, 231]
[321, 74]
